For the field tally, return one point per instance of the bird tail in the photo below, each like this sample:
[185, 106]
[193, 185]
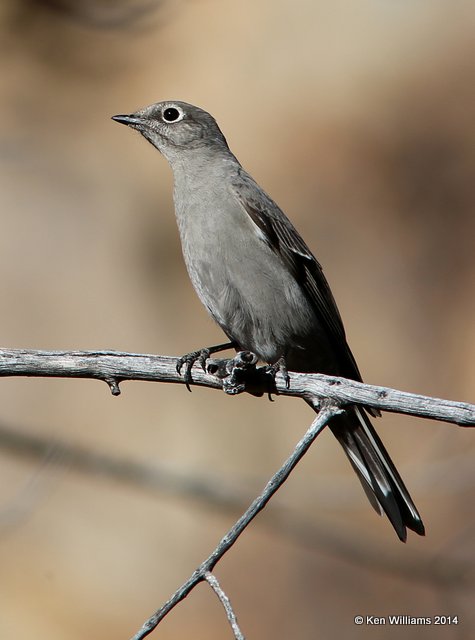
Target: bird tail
[378, 475]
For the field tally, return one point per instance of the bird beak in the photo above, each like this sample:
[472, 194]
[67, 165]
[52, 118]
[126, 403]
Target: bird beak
[130, 121]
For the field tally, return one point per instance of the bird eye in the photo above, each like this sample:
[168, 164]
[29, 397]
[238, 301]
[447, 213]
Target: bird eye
[172, 114]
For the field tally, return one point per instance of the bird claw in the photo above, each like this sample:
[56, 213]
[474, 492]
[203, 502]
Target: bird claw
[201, 356]
[237, 374]
[279, 367]
[188, 360]
[242, 366]
[240, 374]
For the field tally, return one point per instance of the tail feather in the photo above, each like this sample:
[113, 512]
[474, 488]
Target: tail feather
[378, 475]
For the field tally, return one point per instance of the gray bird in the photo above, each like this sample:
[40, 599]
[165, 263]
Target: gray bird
[261, 283]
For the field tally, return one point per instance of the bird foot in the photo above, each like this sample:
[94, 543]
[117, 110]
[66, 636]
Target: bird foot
[279, 367]
[237, 374]
[200, 356]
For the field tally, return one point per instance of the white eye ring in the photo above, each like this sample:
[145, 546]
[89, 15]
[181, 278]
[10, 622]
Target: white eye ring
[172, 114]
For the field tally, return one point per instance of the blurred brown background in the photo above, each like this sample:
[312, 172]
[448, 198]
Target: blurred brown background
[358, 118]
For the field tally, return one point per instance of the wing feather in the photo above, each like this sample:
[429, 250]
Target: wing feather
[283, 238]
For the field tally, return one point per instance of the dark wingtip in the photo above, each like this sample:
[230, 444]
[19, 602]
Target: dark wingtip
[418, 527]
[414, 525]
[402, 534]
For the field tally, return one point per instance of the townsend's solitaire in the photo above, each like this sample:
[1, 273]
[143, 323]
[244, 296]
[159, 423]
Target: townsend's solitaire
[261, 283]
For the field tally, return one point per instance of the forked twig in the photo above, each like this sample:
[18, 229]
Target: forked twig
[277, 480]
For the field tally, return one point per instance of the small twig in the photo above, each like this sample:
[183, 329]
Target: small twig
[321, 420]
[231, 616]
[117, 366]
[113, 385]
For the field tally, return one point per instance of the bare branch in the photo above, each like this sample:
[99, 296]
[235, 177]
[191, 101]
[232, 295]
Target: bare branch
[329, 395]
[231, 616]
[321, 420]
[115, 367]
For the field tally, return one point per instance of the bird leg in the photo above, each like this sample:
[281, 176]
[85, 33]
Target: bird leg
[201, 355]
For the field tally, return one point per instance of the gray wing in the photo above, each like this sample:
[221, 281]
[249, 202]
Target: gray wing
[279, 233]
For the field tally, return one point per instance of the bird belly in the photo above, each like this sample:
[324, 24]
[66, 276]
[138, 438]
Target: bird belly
[259, 305]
